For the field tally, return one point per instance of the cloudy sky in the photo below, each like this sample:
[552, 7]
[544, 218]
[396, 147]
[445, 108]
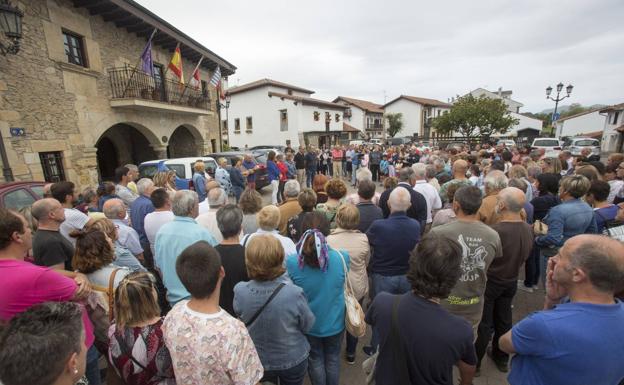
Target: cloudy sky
[377, 50]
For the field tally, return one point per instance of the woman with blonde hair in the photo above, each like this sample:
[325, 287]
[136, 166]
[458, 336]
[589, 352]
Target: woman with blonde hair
[123, 256]
[137, 349]
[347, 237]
[166, 180]
[199, 180]
[275, 312]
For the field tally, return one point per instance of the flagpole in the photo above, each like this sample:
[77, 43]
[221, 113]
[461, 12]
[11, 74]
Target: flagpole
[192, 74]
[134, 70]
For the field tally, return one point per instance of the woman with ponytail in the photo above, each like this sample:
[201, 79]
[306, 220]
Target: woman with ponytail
[318, 270]
[137, 349]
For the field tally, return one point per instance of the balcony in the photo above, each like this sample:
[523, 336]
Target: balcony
[374, 127]
[136, 90]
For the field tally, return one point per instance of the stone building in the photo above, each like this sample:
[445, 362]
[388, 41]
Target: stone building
[73, 107]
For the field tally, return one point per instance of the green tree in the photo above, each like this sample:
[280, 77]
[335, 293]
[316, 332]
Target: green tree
[575, 108]
[475, 117]
[395, 123]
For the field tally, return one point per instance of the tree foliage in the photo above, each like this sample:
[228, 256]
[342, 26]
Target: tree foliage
[475, 117]
[395, 123]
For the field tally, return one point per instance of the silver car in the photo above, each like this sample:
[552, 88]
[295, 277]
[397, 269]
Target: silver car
[576, 145]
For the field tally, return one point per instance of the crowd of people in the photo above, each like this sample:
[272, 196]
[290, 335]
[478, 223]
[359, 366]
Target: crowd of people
[210, 286]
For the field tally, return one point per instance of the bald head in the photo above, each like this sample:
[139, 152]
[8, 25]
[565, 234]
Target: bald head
[512, 199]
[460, 167]
[48, 209]
[114, 209]
[600, 257]
[217, 198]
[399, 200]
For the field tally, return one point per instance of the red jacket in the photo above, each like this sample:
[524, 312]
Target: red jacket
[283, 171]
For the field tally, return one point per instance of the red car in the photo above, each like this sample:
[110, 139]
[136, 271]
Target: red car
[15, 195]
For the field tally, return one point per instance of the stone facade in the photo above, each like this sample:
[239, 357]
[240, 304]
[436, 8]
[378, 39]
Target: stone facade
[68, 108]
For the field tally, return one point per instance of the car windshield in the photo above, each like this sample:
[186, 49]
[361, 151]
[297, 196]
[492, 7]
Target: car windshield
[547, 143]
[261, 159]
[586, 142]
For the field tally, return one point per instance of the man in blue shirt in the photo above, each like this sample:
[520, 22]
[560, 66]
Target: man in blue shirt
[138, 210]
[580, 341]
[310, 166]
[174, 237]
[127, 237]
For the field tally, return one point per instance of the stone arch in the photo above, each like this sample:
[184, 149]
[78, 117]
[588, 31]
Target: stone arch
[124, 143]
[185, 141]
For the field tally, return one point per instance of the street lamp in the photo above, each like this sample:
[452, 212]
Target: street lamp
[228, 98]
[557, 99]
[11, 25]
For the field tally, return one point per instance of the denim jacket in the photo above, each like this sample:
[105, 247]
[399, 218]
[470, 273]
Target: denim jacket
[567, 219]
[278, 332]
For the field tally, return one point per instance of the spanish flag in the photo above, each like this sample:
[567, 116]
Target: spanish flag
[175, 65]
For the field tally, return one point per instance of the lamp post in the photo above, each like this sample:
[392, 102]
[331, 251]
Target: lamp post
[228, 98]
[11, 25]
[557, 99]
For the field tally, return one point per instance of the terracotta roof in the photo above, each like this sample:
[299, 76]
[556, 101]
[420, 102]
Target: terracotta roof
[615, 107]
[266, 82]
[362, 104]
[594, 134]
[308, 101]
[423, 101]
[349, 128]
[579, 114]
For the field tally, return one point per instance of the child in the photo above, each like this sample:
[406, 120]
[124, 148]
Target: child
[383, 168]
[207, 345]
[137, 349]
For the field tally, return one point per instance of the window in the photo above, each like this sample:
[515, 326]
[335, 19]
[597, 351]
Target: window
[249, 125]
[74, 48]
[204, 87]
[289, 92]
[616, 115]
[159, 83]
[237, 125]
[52, 164]
[17, 199]
[178, 169]
[283, 120]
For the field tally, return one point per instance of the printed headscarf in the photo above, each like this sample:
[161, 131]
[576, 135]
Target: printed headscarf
[322, 252]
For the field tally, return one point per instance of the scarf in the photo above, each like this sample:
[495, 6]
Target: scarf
[322, 252]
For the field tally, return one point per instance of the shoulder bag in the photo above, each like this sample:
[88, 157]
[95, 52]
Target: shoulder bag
[354, 315]
[255, 316]
[101, 312]
[612, 228]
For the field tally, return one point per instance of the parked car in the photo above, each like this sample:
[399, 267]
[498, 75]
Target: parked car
[15, 195]
[356, 143]
[375, 142]
[183, 168]
[577, 144]
[506, 143]
[456, 145]
[268, 147]
[262, 178]
[550, 145]
[397, 141]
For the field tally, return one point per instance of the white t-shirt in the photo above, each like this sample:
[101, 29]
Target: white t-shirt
[74, 220]
[153, 222]
[209, 221]
[431, 196]
[287, 243]
[204, 206]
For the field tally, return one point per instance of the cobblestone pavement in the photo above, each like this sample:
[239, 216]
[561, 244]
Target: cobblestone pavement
[524, 303]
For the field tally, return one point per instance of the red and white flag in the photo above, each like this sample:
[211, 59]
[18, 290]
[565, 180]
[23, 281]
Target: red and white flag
[195, 81]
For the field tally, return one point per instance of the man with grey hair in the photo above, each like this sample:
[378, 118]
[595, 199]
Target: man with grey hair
[493, 182]
[418, 207]
[49, 247]
[427, 190]
[217, 198]
[229, 220]
[138, 210]
[174, 237]
[392, 240]
[290, 207]
[579, 340]
[115, 210]
[517, 242]
[480, 245]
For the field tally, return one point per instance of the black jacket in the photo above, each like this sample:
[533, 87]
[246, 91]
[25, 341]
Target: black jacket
[418, 209]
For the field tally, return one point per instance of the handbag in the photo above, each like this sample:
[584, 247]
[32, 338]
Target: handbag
[612, 228]
[354, 315]
[540, 228]
[398, 352]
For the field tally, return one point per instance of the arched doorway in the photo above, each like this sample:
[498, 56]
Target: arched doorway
[122, 144]
[184, 142]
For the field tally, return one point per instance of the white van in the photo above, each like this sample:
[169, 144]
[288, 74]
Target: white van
[356, 142]
[183, 168]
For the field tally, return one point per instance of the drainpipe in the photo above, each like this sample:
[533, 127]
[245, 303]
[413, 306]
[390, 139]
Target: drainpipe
[6, 169]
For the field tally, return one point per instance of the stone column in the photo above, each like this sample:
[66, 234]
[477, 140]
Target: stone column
[160, 150]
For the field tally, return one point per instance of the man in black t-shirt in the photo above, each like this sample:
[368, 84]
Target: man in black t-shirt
[229, 220]
[425, 341]
[49, 247]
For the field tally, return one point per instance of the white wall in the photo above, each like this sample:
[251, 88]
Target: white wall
[523, 122]
[412, 116]
[265, 114]
[358, 118]
[609, 135]
[580, 125]
[512, 105]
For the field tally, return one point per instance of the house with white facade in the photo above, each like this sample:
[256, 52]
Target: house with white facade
[366, 117]
[269, 112]
[588, 123]
[527, 127]
[613, 132]
[417, 113]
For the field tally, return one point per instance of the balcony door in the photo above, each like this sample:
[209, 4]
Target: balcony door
[159, 82]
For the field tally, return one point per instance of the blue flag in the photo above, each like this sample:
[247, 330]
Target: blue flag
[146, 57]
